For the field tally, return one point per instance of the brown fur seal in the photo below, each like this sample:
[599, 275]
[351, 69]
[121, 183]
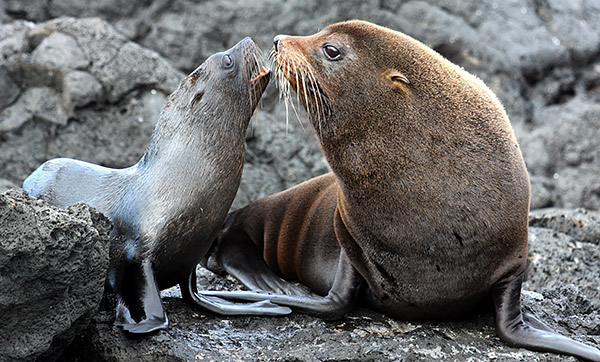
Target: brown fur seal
[425, 215]
[168, 208]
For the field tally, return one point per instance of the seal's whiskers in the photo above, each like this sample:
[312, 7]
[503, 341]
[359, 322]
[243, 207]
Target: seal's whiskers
[297, 68]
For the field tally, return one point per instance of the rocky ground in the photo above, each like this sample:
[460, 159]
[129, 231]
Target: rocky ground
[87, 80]
[54, 261]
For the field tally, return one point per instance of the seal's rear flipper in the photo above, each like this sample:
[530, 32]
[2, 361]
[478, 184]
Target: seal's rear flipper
[189, 292]
[524, 330]
[142, 298]
[339, 301]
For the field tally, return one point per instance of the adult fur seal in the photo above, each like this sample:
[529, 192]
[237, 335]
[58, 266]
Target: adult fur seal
[425, 215]
[168, 208]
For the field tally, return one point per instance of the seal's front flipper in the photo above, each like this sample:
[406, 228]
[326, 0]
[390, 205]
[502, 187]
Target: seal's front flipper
[190, 294]
[339, 301]
[139, 299]
[519, 330]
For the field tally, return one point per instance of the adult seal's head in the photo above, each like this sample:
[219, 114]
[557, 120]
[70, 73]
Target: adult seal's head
[373, 91]
[168, 207]
[428, 201]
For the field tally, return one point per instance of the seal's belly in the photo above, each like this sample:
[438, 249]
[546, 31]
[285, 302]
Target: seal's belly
[442, 282]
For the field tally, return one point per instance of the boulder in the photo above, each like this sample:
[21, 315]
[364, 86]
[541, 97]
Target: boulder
[53, 266]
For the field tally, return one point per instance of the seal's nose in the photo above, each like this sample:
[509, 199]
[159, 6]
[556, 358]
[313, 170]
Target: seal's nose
[276, 40]
[245, 42]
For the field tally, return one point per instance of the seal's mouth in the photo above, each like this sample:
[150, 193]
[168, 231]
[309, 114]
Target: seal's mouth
[261, 79]
[263, 72]
[258, 74]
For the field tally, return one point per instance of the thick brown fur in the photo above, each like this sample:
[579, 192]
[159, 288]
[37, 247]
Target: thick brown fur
[428, 199]
[433, 189]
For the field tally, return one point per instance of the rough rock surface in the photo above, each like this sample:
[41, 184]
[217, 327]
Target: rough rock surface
[363, 335]
[52, 269]
[78, 89]
[565, 248]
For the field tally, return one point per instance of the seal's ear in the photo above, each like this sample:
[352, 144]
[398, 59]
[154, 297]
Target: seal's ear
[397, 79]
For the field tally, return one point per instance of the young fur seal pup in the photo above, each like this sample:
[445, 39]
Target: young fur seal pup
[425, 214]
[168, 208]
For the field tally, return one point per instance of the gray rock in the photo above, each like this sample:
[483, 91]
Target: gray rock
[114, 136]
[119, 65]
[4, 18]
[23, 150]
[30, 10]
[83, 89]
[103, 8]
[9, 90]
[565, 149]
[60, 51]
[103, 113]
[279, 155]
[541, 192]
[133, 61]
[6, 185]
[556, 258]
[46, 105]
[257, 182]
[564, 248]
[13, 117]
[43, 104]
[52, 269]
[539, 58]
[574, 23]
[12, 39]
[580, 224]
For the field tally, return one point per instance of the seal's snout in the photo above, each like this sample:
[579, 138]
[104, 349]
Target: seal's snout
[276, 40]
[247, 41]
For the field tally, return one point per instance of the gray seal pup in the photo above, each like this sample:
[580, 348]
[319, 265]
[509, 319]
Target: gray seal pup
[168, 208]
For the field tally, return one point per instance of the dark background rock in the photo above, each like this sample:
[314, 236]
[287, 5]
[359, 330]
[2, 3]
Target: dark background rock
[540, 57]
[83, 91]
[52, 269]
[91, 88]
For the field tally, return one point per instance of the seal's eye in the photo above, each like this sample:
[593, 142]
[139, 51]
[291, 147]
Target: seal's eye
[331, 52]
[227, 61]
